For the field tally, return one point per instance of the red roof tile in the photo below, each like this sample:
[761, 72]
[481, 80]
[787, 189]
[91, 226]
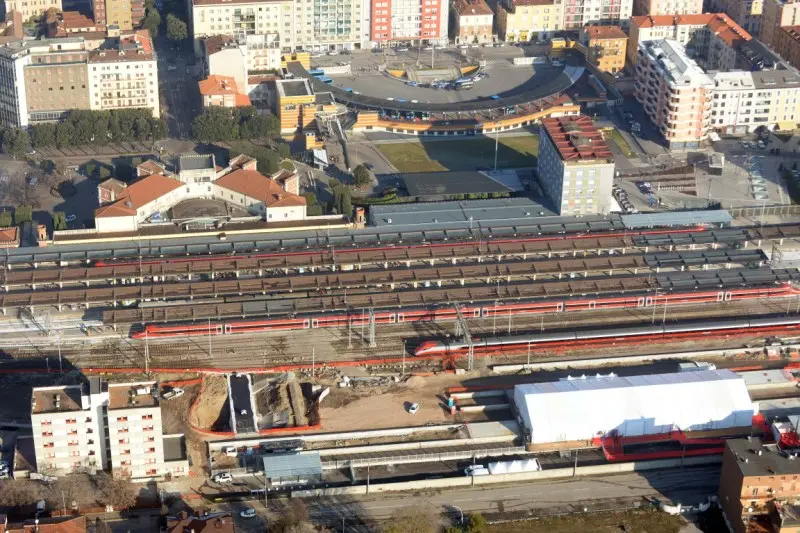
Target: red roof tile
[218, 85]
[472, 7]
[256, 185]
[605, 32]
[576, 138]
[141, 192]
[719, 23]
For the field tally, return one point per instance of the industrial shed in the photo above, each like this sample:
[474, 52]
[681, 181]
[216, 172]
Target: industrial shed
[579, 409]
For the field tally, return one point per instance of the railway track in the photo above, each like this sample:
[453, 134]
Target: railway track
[341, 344]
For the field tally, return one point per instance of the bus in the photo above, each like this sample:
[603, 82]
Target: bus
[326, 79]
[317, 72]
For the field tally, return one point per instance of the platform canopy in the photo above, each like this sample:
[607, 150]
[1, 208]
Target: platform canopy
[583, 408]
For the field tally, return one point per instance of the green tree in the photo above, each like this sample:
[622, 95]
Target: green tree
[22, 214]
[64, 135]
[103, 172]
[15, 142]
[284, 151]
[59, 221]
[158, 129]
[362, 176]
[176, 28]
[90, 169]
[44, 135]
[477, 524]
[215, 124]
[152, 20]
[5, 219]
[259, 126]
[346, 205]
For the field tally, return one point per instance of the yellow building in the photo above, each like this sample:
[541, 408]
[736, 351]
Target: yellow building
[297, 109]
[526, 20]
[605, 47]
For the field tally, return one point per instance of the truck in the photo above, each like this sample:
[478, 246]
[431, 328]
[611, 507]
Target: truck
[514, 467]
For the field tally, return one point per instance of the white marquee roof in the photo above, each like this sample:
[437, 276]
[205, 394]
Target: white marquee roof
[580, 409]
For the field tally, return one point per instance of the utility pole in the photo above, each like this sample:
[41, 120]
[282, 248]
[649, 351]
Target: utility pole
[403, 373]
[60, 366]
[313, 360]
[209, 340]
[496, 145]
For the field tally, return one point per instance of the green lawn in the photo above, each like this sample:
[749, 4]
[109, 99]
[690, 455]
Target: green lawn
[621, 143]
[638, 522]
[462, 154]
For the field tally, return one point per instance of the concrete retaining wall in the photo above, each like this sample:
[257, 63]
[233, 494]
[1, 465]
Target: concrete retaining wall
[484, 408]
[405, 446]
[555, 473]
[477, 394]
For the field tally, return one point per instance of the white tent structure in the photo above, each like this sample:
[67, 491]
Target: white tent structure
[583, 408]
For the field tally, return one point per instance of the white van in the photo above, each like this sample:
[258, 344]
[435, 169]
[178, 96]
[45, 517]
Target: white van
[476, 470]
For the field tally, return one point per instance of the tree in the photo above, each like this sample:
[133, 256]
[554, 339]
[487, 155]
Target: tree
[19, 492]
[176, 28]
[346, 205]
[90, 169]
[152, 20]
[15, 142]
[284, 151]
[477, 524]
[22, 214]
[5, 219]
[411, 520]
[59, 221]
[362, 176]
[158, 129]
[103, 172]
[313, 209]
[116, 492]
[259, 126]
[44, 135]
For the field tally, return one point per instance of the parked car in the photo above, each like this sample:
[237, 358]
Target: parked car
[222, 477]
[413, 408]
[70, 218]
[248, 513]
[476, 470]
[333, 53]
[173, 393]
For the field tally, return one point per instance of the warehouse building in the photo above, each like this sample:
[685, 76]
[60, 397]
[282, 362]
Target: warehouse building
[579, 410]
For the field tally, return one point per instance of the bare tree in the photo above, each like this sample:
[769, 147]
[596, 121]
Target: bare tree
[116, 492]
[19, 492]
[412, 520]
[68, 491]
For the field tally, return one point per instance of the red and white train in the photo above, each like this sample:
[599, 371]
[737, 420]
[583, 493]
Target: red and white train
[448, 313]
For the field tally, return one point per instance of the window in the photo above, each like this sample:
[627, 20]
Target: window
[147, 417]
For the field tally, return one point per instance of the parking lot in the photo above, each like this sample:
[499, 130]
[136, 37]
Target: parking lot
[502, 79]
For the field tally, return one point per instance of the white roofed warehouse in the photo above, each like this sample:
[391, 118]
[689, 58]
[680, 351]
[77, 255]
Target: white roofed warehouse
[580, 409]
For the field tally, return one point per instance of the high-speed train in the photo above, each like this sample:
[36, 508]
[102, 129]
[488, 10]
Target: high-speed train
[448, 313]
[688, 330]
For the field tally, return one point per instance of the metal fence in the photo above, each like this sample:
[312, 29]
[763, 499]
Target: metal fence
[355, 462]
[765, 210]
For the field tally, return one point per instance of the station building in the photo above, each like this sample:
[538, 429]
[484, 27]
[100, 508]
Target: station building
[102, 426]
[575, 166]
[149, 197]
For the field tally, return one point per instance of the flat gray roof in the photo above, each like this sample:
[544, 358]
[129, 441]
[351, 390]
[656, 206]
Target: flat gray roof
[196, 162]
[174, 447]
[456, 182]
[278, 466]
[295, 87]
[676, 218]
[505, 210]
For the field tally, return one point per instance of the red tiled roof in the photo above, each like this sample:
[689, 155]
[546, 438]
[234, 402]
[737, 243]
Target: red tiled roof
[76, 524]
[9, 235]
[719, 23]
[242, 100]
[605, 32]
[113, 185]
[135, 46]
[472, 7]
[576, 138]
[139, 193]
[218, 85]
[215, 523]
[256, 185]
[533, 2]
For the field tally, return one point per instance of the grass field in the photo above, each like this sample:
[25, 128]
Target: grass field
[621, 143]
[463, 154]
[639, 522]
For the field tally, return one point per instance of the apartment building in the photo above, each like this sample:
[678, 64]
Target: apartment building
[776, 14]
[124, 74]
[32, 8]
[102, 426]
[528, 20]
[244, 17]
[122, 14]
[605, 47]
[667, 7]
[579, 13]
[242, 57]
[331, 24]
[788, 45]
[675, 92]
[41, 80]
[575, 166]
[394, 22]
[746, 13]
[473, 21]
[711, 39]
[759, 486]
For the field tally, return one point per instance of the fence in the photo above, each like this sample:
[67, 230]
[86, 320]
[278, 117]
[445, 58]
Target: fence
[421, 457]
[765, 210]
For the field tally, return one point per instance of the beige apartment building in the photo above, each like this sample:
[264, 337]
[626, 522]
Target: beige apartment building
[775, 15]
[526, 20]
[575, 166]
[667, 7]
[712, 39]
[123, 14]
[102, 426]
[473, 21]
[57, 80]
[675, 92]
[32, 8]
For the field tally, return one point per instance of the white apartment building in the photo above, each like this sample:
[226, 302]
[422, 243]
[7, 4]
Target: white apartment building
[667, 7]
[239, 58]
[575, 166]
[125, 76]
[102, 426]
[579, 13]
[309, 25]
